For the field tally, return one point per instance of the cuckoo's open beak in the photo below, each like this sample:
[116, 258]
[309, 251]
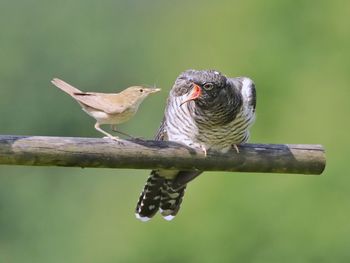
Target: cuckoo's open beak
[195, 93]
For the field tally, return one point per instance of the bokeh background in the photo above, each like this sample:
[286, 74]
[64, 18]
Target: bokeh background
[297, 52]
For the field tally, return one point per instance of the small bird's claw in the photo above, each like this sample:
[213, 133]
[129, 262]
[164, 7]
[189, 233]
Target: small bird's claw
[114, 138]
[123, 133]
[138, 138]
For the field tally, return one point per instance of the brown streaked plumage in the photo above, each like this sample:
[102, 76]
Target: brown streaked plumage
[108, 108]
[205, 110]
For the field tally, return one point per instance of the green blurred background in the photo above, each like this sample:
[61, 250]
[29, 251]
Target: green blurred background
[297, 52]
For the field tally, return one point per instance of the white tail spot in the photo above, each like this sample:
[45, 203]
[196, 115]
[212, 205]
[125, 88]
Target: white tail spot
[169, 217]
[142, 218]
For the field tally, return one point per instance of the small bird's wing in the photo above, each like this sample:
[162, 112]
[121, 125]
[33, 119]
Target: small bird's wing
[110, 103]
[247, 89]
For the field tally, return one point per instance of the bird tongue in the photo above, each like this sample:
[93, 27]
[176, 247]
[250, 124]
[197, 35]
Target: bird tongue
[195, 93]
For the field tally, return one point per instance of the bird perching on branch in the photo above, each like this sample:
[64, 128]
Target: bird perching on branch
[108, 108]
[205, 110]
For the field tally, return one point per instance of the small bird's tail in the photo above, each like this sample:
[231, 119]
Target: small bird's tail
[65, 86]
[158, 194]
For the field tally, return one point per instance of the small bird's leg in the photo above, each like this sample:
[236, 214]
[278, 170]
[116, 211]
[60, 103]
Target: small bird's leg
[114, 128]
[234, 146]
[97, 127]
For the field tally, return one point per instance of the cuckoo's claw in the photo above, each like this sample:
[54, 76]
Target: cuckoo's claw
[234, 146]
[204, 150]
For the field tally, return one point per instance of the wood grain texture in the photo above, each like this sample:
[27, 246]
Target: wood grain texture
[139, 154]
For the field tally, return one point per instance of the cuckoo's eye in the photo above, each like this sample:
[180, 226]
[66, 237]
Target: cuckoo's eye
[141, 90]
[208, 86]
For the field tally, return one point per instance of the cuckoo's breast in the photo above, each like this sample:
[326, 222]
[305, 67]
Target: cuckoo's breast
[206, 130]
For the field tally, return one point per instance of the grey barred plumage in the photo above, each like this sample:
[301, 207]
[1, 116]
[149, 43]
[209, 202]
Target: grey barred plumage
[205, 110]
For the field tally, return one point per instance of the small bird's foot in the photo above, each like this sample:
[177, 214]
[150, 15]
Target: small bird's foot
[125, 134]
[234, 146]
[109, 136]
[138, 138]
[114, 138]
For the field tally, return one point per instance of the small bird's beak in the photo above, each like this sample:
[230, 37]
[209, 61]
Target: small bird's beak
[195, 93]
[155, 90]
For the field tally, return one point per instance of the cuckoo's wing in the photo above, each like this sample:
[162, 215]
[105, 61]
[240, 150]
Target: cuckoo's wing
[247, 89]
[161, 134]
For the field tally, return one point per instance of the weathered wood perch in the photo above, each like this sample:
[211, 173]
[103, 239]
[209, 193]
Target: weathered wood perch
[139, 154]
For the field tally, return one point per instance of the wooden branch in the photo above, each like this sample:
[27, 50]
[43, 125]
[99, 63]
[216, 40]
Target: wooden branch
[139, 154]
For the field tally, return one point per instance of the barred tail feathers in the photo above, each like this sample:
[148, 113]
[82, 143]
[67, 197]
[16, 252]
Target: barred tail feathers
[149, 200]
[171, 200]
[158, 194]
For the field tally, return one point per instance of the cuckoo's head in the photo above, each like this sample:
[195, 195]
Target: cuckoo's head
[204, 87]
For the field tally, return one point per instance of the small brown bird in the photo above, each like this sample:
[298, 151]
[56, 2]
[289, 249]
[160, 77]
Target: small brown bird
[108, 108]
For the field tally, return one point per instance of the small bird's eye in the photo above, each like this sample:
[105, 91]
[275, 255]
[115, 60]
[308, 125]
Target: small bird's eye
[141, 90]
[208, 86]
